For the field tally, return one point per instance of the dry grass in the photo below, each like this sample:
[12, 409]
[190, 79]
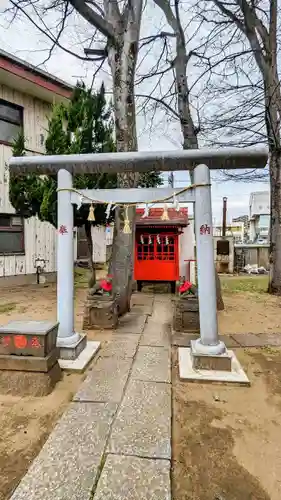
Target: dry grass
[8, 307]
[250, 284]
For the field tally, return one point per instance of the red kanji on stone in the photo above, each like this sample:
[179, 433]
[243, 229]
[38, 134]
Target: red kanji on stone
[205, 229]
[6, 341]
[20, 341]
[63, 230]
[35, 343]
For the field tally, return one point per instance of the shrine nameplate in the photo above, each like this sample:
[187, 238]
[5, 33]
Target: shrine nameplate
[28, 338]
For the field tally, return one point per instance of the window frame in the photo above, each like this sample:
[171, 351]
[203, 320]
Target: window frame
[13, 229]
[12, 122]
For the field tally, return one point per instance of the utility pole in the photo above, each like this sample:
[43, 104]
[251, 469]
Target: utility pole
[171, 179]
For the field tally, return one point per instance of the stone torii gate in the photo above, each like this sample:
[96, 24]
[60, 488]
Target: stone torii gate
[201, 161]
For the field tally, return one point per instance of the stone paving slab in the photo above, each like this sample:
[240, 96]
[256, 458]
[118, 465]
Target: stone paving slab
[121, 346]
[229, 341]
[143, 425]
[142, 309]
[106, 381]
[183, 339]
[156, 335]
[152, 364]
[67, 466]
[271, 339]
[131, 323]
[249, 340]
[132, 478]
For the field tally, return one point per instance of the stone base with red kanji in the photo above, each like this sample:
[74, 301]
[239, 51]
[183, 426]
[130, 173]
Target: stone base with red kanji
[28, 352]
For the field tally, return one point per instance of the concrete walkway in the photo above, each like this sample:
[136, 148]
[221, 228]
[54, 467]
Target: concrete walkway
[114, 441]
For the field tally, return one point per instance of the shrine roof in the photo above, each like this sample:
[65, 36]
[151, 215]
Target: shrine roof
[175, 218]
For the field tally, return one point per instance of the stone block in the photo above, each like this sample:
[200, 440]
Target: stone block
[29, 363]
[134, 478]
[85, 357]
[143, 424]
[25, 384]
[69, 462]
[187, 371]
[100, 313]
[28, 338]
[71, 353]
[186, 315]
[217, 363]
[152, 363]
[106, 381]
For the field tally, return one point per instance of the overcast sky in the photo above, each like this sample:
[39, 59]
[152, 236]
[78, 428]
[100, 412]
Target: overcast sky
[25, 42]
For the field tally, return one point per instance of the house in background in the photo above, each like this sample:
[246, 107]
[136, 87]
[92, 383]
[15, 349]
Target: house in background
[26, 97]
[235, 230]
[259, 216]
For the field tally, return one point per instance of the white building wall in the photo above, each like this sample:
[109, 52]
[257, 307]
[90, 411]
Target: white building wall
[40, 237]
[99, 244]
[259, 203]
[186, 251]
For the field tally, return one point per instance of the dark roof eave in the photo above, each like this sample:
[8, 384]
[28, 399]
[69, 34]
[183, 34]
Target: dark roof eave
[36, 71]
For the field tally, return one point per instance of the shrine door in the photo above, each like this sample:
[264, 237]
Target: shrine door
[156, 257]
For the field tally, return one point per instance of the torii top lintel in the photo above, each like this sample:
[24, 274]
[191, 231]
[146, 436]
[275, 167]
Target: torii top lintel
[141, 161]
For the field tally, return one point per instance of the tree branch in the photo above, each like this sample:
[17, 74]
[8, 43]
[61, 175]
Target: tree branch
[93, 18]
[164, 5]
[45, 32]
[161, 102]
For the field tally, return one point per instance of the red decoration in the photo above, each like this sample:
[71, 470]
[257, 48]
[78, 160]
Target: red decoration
[185, 287]
[20, 341]
[63, 230]
[35, 343]
[6, 341]
[205, 229]
[106, 284]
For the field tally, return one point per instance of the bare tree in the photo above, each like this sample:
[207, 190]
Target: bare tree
[179, 66]
[119, 25]
[257, 24]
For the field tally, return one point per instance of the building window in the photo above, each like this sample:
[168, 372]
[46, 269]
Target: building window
[11, 121]
[11, 234]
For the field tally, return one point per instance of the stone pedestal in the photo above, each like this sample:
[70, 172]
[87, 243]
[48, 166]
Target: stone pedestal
[217, 362]
[100, 313]
[186, 315]
[28, 355]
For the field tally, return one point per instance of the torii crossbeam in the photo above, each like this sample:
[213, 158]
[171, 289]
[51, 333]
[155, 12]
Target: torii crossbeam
[199, 160]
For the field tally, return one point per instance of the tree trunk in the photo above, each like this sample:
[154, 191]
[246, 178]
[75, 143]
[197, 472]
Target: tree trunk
[92, 279]
[275, 240]
[272, 119]
[122, 58]
[188, 130]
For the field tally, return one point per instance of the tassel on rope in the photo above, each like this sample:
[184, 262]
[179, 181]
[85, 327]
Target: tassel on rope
[176, 203]
[80, 202]
[126, 228]
[165, 215]
[108, 209]
[146, 212]
[91, 216]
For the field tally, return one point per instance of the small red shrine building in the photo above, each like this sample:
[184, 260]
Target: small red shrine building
[157, 248]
